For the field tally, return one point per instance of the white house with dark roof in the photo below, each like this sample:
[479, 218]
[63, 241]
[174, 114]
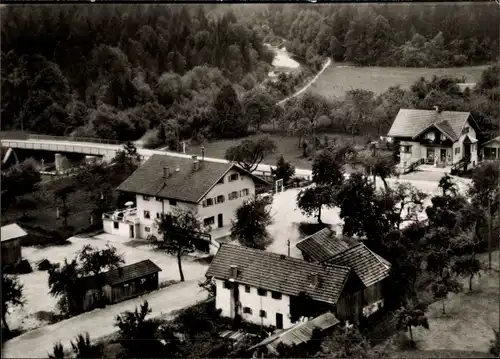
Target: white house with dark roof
[491, 149]
[213, 190]
[435, 137]
[325, 247]
[277, 290]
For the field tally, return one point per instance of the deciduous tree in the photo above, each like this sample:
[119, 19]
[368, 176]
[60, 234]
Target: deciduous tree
[12, 296]
[445, 285]
[311, 200]
[412, 315]
[284, 170]
[251, 152]
[250, 224]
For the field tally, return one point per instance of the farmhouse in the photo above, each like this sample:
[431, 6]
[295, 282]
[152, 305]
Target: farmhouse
[118, 284]
[491, 149]
[212, 189]
[276, 290]
[373, 270]
[435, 137]
[11, 236]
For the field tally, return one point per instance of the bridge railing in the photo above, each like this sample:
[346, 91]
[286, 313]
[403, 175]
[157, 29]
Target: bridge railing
[74, 139]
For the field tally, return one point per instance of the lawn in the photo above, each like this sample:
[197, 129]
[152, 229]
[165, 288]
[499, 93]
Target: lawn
[468, 322]
[40, 305]
[339, 78]
[286, 146]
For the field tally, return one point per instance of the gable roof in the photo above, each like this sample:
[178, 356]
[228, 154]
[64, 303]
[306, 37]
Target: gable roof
[184, 185]
[279, 273]
[322, 245]
[368, 266]
[411, 123]
[11, 231]
[130, 272]
[299, 333]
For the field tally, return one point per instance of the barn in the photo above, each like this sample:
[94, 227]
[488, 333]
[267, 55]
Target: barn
[11, 236]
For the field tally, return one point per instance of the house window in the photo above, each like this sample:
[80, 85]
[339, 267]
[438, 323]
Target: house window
[221, 181]
[247, 310]
[262, 314]
[262, 292]
[158, 215]
[208, 202]
[406, 149]
[146, 198]
[159, 199]
[465, 130]
[172, 202]
[147, 229]
[116, 225]
[276, 295]
[233, 195]
[143, 280]
[247, 289]
[227, 285]
[457, 150]
[233, 177]
[245, 192]
[209, 221]
[125, 285]
[147, 215]
[220, 199]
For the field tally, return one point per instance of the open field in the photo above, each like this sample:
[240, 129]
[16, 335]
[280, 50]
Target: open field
[339, 78]
[286, 146]
[40, 304]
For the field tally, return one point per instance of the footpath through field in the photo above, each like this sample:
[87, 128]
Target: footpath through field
[99, 323]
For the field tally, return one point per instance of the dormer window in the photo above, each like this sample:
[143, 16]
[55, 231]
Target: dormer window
[465, 130]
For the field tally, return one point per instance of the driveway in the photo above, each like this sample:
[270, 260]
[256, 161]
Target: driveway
[39, 342]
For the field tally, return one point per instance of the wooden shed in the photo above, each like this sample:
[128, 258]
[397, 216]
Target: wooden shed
[130, 281]
[11, 236]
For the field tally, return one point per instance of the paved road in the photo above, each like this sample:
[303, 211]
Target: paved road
[37, 343]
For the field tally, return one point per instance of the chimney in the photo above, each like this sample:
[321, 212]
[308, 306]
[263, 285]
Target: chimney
[202, 153]
[233, 271]
[314, 280]
[196, 164]
[166, 172]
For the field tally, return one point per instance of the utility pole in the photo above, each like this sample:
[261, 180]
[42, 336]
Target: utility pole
[489, 231]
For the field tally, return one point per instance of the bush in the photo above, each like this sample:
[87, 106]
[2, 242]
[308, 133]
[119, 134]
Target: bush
[24, 267]
[309, 228]
[44, 265]
[151, 140]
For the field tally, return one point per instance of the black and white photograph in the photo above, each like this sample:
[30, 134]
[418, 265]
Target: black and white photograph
[250, 180]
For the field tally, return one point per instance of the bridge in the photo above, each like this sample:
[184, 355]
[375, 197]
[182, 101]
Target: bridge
[106, 149]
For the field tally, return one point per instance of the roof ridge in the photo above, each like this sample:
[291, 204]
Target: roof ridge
[309, 236]
[346, 250]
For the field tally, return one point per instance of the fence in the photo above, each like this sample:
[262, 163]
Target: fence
[74, 139]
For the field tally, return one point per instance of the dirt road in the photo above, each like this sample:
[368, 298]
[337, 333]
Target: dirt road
[37, 343]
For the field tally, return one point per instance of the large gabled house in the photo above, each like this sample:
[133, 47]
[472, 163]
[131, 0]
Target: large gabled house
[373, 270]
[212, 189]
[277, 290]
[435, 137]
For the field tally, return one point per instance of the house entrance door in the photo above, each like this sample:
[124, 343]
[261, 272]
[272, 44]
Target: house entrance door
[467, 151]
[220, 221]
[279, 321]
[443, 155]
[131, 231]
[430, 155]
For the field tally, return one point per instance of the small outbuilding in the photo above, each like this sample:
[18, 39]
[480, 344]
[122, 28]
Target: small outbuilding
[11, 236]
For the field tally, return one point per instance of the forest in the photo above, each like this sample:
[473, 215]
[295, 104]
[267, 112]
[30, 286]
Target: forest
[198, 72]
[407, 35]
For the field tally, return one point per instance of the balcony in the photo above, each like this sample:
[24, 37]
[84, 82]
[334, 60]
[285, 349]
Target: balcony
[127, 215]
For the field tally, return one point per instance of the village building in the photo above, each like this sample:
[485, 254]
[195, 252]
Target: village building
[276, 290]
[214, 190]
[491, 149]
[373, 270]
[118, 284]
[464, 86]
[434, 137]
[11, 238]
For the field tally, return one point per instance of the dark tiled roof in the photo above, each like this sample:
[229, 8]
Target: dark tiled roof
[368, 266]
[322, 245]
[184, 185]
[445, 127]
[130, 272]
[492, 141]
[279, 273]
[409, 123]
